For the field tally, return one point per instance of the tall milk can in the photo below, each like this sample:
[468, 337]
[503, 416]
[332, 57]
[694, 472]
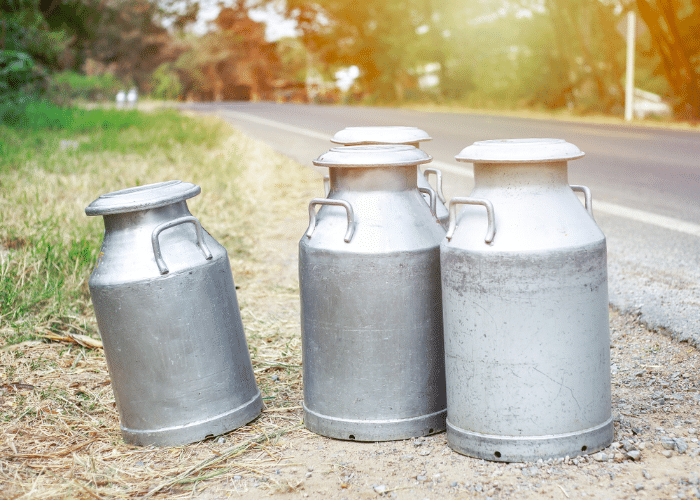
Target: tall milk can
[525, 296]
[412, 136]
[371, 310]
[169, 320]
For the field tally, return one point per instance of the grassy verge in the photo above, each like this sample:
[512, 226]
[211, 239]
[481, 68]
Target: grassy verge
[59, 426]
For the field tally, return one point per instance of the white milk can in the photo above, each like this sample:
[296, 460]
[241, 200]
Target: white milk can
[371, 314]
[169, 320]
[525, 300]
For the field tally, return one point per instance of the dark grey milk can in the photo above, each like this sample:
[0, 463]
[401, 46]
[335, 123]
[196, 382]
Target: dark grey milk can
[168, 316]
[412, 136]
[525, 296]
[371, 311]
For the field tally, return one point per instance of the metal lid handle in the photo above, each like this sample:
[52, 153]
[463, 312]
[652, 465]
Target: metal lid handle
[433, 199]
[182, 220]
[490, 230]
[587, 196]
[438, 182]
[340, 203]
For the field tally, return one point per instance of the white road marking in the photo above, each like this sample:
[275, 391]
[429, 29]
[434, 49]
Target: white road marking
[600, 206]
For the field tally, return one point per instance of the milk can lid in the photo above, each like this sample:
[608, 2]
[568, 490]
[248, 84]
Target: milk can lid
[519, 151]
[373, 155]
[143, 197]
[351, 136]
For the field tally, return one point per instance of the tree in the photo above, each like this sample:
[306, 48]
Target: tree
[674, 26]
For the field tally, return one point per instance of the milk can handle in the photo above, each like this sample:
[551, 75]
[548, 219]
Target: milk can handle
[156, 245]
[433, 198]
[340, 203]
[438, 182]
[491, 229]
[587, 196]
[326, 184]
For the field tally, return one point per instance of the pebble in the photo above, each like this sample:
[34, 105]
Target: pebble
[237, 477]
[454, 484]
[406, 457]
[380, 489]
[667, 453]
[421, 479]
[600, 457]
[638, 487]
[668, 443]
[634, 454]
[680, 445]
[646, 474]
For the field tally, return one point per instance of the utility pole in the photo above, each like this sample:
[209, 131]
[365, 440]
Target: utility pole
[629, 78]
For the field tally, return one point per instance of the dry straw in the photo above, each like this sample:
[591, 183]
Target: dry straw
[60, 436]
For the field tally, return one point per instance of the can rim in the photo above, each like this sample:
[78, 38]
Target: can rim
[143, 197]
[373, 155]
[534, 150]
[391, 134]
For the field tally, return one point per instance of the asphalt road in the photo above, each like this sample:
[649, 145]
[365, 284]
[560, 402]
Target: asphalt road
[645, 184]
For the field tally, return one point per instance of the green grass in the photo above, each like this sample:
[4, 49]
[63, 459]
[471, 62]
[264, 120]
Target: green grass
[53, 162]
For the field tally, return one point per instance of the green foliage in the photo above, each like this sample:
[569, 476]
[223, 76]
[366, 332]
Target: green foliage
[68, 85]
[18, 73]
[165, 83]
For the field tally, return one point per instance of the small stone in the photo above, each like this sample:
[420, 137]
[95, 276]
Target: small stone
[381, 489]
[600, 457]
[406, 457]
[646, 474]
[139, 464]
[221, 440]
[638, 487]
[680, 445]
[421, 479]
[454, 484]
[424, 453]
[237, 477]
[634, 454]
[275, 378]
[668, 443]
[667, 453]
[308, 474]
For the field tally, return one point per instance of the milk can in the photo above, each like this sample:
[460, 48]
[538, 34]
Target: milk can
[169, 320]
[524, 283]
[371, 311]
[355, 136]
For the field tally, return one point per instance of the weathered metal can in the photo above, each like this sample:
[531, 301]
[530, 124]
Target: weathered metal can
[412, 136]
[525, 300]
[168, 316]
[371, 310]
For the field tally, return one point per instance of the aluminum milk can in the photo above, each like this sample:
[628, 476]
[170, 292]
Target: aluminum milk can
[525, 296]
[169, 320]
[371, 311]
[412, 136]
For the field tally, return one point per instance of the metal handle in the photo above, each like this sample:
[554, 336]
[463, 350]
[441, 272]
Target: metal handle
[587, 196]
[156, 245]
[326, 184]
[490, 230]
[433, 199]
[438, 181]
[339, 203]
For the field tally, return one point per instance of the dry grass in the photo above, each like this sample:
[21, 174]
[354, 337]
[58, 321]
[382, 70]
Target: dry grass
[60, 437]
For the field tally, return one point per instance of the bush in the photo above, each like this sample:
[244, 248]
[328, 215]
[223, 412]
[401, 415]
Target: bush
[69, 85]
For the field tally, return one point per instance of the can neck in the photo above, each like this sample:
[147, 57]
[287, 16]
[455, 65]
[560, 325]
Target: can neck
[521, 175]
[373, 178]
[145, 218]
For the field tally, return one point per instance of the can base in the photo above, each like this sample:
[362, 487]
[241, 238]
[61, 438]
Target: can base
[196, 431]
[374, 430]
[529, 448]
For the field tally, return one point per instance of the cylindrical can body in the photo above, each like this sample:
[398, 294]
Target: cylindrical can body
[526, 320]
[174, 341]
[371, 310]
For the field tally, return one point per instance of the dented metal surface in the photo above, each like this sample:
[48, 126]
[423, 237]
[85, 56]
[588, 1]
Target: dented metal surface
[371, 311]
[526, 315]
[168, 316]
